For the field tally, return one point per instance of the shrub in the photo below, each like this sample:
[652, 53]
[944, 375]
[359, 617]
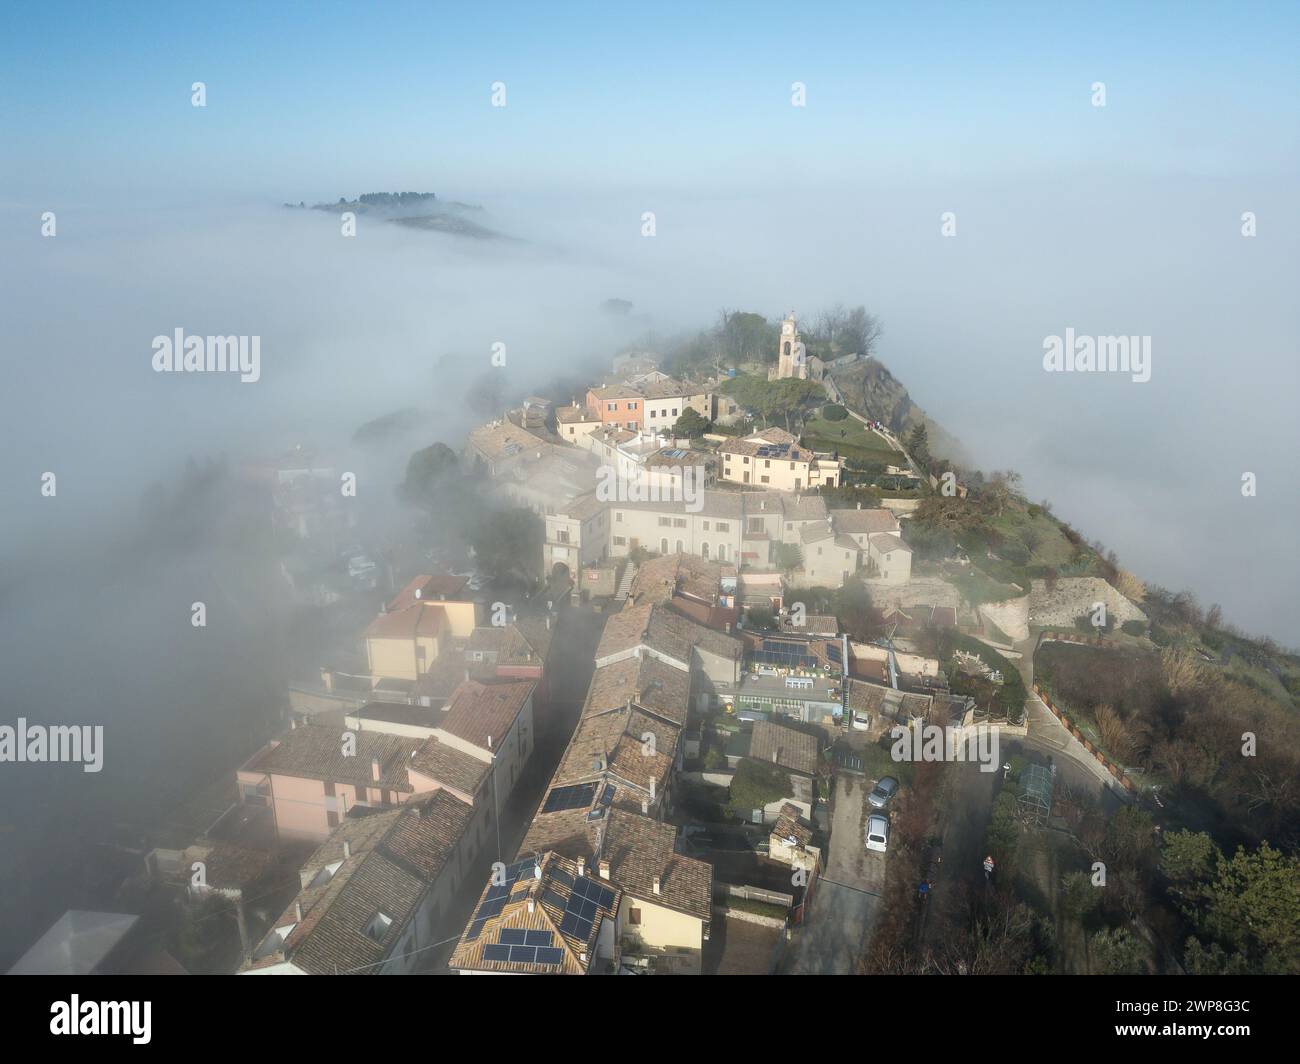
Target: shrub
[834, 412]
[1133, 627]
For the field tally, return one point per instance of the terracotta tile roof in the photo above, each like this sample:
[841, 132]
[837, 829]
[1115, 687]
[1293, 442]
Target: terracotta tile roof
[669, 389]
[480, 711]
[525, 641]
[614, 391]
[660, 578]
[420, 619]
[665, 631]
[868, 521]
[567, 415]
[885, 701]
[612, 747]
[537, 901]
[503, 439]
[450, 767]
[790, 828]
[885, 543]
[393, 859]
[648, 682]
[314, 751]
[791, 749]
[814, 624]
[639, 849]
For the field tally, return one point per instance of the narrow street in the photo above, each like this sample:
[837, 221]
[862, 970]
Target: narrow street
[570, 668]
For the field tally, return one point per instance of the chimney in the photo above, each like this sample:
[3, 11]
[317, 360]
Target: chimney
[297, 911]
[645, 806]
[489, 742]
[293, 723]
[656, 885]
[604, 869]
[374, 769]
[652, 788]
[582, 866]
[347, 848]
[530, 903]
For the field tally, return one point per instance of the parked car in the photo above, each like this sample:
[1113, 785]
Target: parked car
[885, 790]
[877, 832]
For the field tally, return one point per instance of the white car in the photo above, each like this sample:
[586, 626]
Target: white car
[877, 833]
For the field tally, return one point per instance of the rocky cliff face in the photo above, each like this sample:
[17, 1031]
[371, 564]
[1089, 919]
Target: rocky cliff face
[872, 391]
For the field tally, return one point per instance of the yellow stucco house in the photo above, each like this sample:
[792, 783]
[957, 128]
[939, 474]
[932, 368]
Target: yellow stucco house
[407, 637]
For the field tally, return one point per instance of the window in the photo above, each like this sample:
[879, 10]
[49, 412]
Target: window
[679, 522]
[663, 546]
[619, 541]
[767, 463]
[765, 479]
[634, 916]
[746, 459]
[706, 526]
[674, 411]
[618, 516]
[611, 407]
[722, 526]
[665, 522]
[564, 535]
[378, 926]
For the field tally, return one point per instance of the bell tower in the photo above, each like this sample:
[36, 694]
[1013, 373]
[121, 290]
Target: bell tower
[790, 352]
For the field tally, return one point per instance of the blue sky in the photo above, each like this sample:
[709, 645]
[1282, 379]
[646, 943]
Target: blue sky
[317, 100]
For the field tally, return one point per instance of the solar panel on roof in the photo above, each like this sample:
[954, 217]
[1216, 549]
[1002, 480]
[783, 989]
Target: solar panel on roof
[475, 929]
[512, 936]
[523, 954]
[537, 938]
[575, 926]
[607, 795]
[573, 797]
[550, 956]
[593, 893]
[494, 952]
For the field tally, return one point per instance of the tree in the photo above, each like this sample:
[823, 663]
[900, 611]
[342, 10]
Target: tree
[504, 541]
[692, 424]
[1079, 898]
[1117, 951]
[1188, 857]
[918, 445]
[788, 557]
[1252, 906]
[432, 477]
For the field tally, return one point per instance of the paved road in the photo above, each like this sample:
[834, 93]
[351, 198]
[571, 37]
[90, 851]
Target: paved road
[846, 902]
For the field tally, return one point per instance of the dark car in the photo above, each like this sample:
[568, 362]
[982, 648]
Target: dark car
[885, 790]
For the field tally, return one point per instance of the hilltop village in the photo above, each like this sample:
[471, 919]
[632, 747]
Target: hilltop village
[748, 686]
